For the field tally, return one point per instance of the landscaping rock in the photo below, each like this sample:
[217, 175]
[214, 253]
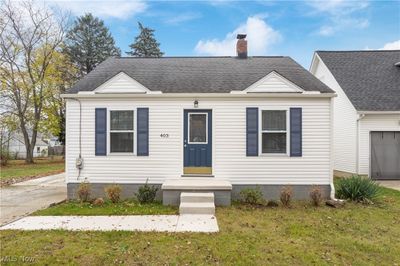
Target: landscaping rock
[335, 203]
[98, 202]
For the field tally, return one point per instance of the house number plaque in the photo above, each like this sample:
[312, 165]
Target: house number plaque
[164, 135]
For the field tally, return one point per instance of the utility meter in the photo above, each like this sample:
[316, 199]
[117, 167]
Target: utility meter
[79, 163]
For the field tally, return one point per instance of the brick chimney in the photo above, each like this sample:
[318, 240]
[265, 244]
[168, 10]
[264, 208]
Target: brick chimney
[241, 46]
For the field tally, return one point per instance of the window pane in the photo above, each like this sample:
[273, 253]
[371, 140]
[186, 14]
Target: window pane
[274, 142]
[121, 120]
[121, 142]
[273, 120]
[198, 128]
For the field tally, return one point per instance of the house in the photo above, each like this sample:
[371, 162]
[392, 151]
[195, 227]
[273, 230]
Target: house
[366, 111]
[15, 145]
[216, 124]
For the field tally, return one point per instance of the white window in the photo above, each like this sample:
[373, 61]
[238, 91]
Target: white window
[121, 131]
[274, 131]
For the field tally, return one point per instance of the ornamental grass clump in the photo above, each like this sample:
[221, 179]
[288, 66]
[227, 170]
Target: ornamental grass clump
[316, 196]
[113, 193]
[286, 196]
[84, 192]
[358, 189]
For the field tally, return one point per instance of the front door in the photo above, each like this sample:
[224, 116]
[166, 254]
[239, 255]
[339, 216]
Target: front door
[197, 141]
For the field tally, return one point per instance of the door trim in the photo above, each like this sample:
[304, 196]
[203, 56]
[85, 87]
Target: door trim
[206, 171]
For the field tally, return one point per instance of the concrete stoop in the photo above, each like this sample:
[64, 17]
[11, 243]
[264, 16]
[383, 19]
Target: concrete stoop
[197, 203]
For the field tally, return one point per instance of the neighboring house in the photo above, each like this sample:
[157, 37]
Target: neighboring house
[366, 111]
[16, 146]
[218, 124]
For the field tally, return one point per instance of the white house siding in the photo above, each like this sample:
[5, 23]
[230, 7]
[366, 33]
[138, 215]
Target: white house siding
[165, 158]
[378, 122]
[345, 122]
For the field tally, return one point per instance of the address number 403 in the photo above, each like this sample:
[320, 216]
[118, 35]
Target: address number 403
[164, 135]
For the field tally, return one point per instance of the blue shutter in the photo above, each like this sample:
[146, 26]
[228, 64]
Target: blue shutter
[296, 142]
[143, 131]
[101, 131]
[251, 131]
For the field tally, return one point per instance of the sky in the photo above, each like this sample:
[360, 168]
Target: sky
[289, 28]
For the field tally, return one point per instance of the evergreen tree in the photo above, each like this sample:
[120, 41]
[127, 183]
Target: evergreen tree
[89, 43]
[145, 44]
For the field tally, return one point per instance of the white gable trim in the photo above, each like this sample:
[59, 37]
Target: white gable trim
[122, 83]
[273, 82]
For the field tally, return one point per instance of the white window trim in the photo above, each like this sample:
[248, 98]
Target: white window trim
[109, 131]
[287, 131]
[188, 133]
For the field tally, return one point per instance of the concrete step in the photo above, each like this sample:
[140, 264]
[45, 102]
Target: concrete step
[197, 197]
[197, 208]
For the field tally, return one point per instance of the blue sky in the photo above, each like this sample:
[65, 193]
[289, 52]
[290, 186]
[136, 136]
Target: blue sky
[293, 28]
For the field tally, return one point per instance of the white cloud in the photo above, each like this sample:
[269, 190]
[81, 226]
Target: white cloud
[184, 17]
[341, 15]
[104, 9]
[259, 36]
[391, 46]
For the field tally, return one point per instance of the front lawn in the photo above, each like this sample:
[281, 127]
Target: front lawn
[356, 234]
[18, 170]
[109, 208]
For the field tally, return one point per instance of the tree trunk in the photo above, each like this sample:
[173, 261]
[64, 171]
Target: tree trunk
[29, 155]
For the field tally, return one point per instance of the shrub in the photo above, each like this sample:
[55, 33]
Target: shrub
[358, 189]
[316, 195]
[4, 157]
[98, 202]
[113, 193]
[251, 195]
[286, 196]
[272, 203]
[146, 193]
[84, 191]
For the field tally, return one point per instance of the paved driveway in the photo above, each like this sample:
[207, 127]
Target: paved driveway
[26, 197]
[393, 184]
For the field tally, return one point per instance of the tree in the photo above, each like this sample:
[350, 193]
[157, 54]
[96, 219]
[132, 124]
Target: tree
[89, 43]
[29, 37]
[62, 74]
[145, 44]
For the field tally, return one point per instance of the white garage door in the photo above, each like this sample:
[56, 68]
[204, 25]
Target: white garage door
[385, 155]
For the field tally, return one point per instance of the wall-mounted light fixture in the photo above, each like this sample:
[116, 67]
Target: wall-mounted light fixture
[196, 103]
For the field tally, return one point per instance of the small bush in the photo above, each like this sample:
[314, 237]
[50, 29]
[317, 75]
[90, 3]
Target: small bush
[251, 196]
[113, 193]
[98, 202]
[146, 193]
[358, 189]
[286, 196]
[316, 196]
[272, 203]
[4, 157]
[84, 191]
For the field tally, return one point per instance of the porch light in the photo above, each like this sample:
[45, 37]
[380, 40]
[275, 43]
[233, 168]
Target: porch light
[196, 104]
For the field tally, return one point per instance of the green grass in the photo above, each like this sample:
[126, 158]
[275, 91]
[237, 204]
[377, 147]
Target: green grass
[109, 208]
[302, 235]
[18, 169]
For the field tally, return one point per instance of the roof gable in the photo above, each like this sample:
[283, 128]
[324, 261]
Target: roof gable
[121, 83]
[274, 82]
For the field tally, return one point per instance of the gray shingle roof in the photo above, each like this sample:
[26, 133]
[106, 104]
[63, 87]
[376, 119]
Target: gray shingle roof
[369, 78]
[199, 74]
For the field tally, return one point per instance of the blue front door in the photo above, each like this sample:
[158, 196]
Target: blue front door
[197, 141]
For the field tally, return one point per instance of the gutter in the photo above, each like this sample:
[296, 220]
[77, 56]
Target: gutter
[195, 95]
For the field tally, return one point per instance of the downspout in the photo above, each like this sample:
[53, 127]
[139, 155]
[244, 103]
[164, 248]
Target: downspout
[332, 185]
[79, 160]
[361, 116]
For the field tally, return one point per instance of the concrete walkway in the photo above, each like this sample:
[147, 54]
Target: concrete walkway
[23, 198]
[393, 184]
[156, 223]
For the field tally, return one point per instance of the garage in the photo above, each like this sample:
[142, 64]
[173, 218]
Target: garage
[385, 155]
